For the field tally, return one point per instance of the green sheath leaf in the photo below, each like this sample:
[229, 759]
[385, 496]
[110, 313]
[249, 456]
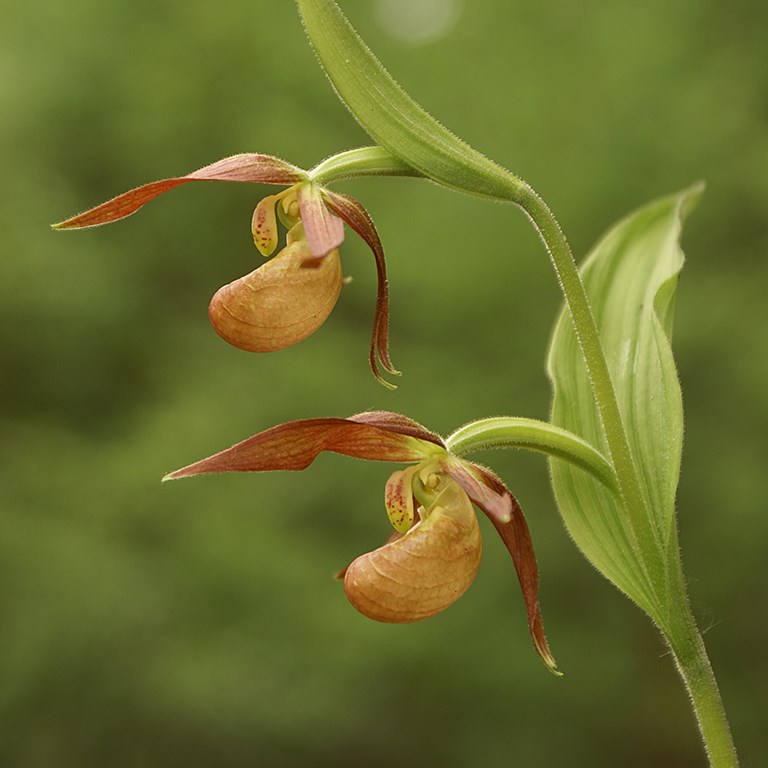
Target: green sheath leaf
[630, 278]
[390, 116]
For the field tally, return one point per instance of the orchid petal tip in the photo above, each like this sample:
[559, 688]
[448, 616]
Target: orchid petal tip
[552, 667]
[548, 659]
[61, 226]
[388, 369]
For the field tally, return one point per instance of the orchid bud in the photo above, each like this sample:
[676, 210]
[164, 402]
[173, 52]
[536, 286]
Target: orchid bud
[280, 303]
[423, 571]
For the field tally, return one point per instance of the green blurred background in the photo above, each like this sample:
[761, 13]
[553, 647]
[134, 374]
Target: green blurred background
[197, 623]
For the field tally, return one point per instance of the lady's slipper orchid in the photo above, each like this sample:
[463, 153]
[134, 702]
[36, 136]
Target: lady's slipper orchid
[433, 555]
[288, 298]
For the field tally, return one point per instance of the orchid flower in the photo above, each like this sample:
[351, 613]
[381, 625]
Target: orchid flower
[434, 552]
[285, 300]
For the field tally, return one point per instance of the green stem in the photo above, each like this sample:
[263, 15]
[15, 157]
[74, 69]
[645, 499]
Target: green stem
[534, 435]
[690, 655]
[602, 385]
[364, 161]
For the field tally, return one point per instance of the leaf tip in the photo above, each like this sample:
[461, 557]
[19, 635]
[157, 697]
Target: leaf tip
[691, 196]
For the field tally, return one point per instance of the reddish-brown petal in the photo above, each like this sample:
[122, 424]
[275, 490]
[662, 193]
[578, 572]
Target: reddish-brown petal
[248, 167]
[354, 213]
[482, 486]
[396, 422]
[296, 444]
[323, 230]
[495, 500]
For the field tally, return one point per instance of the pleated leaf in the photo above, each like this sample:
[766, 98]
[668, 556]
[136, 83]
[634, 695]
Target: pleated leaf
[630, 278]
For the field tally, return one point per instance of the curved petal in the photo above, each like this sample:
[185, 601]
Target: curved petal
[296, 444]
[247, 167]
[484, 488]
[493, 498]
[354, 213]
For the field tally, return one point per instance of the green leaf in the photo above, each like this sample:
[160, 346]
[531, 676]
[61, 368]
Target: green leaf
[390, 116]
[630, 278]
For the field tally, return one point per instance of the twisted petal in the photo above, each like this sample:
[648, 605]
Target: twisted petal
[493, 498]
[249, 167]
[377, 436]
[490, 494]
[358, 218]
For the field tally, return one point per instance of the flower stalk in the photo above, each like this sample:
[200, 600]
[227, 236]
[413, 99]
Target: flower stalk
[534, 435]
[364, 161]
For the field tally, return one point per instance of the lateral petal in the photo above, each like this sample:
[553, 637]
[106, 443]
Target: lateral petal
[357, 217]
[483, 487]
[493, 498]
[247, 167]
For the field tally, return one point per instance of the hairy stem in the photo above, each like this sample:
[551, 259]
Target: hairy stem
[588, 336]
[364, 161]
[693, 665]
[533, 435]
